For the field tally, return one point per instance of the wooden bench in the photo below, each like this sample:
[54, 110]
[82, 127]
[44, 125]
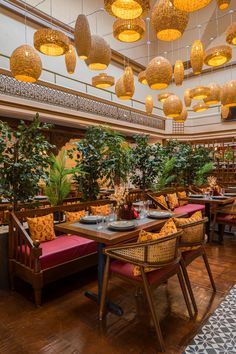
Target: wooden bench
[41, 263]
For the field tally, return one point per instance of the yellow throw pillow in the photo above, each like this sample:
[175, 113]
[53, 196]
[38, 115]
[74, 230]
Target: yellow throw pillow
[162, 201]
[74, 215]
[101, 209]
[182, 195]
[190, 233]
[173, 201]
[42, 228]
[144, 236]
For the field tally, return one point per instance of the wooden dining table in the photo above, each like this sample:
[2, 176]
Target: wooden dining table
[210, 202]
[106, 237]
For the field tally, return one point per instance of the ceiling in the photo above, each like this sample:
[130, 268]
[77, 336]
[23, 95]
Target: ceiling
[212, 22]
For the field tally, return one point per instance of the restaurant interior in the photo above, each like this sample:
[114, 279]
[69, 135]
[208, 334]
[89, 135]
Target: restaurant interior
[118, 176]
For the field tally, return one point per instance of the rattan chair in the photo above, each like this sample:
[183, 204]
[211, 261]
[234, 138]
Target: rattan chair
[194, 236]
[162, 255]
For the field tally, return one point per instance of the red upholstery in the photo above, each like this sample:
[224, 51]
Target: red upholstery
[190, 208]
[189, 255]
[126, 270]
[226, 218]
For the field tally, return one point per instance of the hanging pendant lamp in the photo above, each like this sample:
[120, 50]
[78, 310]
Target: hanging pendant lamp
[197, 57]
[103, 81]
[163, 96]
[25, 64]
[217, 56]
[159, 73]
[231, 34]
[172, 106]
[179, 72]
[125, 85]
[200, 107]
[223, 4]
[228, 94]
[187, 98]
[82, 37]
[214, 96]
[142, 78]
[182, 117]
[200, 93]
[224, 112]
[70, 60]
[100, 54]
[127, 9]
[149, 104]
[168, 22]
[129, 30]
[51, 42]
[190, 5]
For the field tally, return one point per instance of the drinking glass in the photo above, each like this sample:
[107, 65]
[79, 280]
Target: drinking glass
[99, 221]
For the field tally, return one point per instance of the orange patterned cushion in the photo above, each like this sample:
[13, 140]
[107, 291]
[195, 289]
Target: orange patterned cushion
[42, 228]
[74, 215]
[173, 201]
[184, 221]
[144, 236]
[101, 210]
[162, 201]
[182, 195]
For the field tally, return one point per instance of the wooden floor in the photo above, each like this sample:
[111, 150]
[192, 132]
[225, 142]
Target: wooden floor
[67, 322]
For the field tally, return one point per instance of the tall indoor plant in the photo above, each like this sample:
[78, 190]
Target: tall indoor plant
[24, 160]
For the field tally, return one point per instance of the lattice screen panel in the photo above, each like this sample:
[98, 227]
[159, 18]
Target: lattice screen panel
[177, 128]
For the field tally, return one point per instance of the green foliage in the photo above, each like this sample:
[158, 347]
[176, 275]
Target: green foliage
[24, 159]
[59, 183]
[103, 154]
[202, 173]
[145, 162]
[229, 154]
[166, 176]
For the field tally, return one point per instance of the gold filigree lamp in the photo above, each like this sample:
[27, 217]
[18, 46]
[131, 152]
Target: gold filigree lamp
[187, 98]
[129, 30]
[82, 37]
[200, 93]
[70, 60]
[127, 9]
[215, 93]
[142, 78]
[51, 42]
[228, 94]
[231, 34]
[124, 87]
[103, 81]
[182, 117]
[217, 56]
[179, 72]
[197, 57]
[149, 104]
[172, 106]
[168, 22]
[100, 54]
[159, 73]
[25, 64]
[223, 4]
[200, 107]
[190, 5]
[163, 96]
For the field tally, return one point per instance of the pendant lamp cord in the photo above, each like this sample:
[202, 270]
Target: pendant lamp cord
[25, 24]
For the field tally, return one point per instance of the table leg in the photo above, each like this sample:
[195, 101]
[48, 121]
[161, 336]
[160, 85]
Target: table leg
[208, 224]
[97, 297]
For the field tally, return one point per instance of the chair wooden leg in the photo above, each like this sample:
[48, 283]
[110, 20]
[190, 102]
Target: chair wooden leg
[152, 309]
[221, 229]
[185, 293]
[104, 289]
[188, 284]
[204, 256]
[38, 296]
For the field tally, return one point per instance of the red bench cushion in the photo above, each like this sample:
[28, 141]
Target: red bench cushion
[126, 270]
[228, 218]
[190, 208]
[65, 248]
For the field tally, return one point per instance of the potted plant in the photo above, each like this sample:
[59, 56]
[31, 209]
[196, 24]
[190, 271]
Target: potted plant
[24, 160]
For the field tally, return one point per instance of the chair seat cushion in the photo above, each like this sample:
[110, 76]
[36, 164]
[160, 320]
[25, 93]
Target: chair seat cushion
[127, 270]
[65, 248]
[190, 208]
[228, 218]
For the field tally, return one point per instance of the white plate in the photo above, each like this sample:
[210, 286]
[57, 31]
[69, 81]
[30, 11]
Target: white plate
[159, 214]
[122, 225]
[90, 219]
